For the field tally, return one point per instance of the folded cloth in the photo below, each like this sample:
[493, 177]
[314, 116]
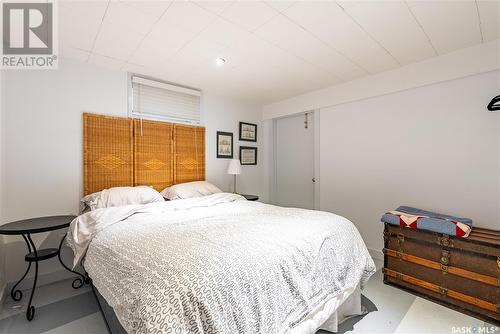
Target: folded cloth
[406, 216]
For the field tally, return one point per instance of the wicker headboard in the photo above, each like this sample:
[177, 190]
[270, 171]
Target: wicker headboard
[121, 151]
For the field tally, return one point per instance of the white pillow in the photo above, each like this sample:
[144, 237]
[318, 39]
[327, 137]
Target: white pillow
[119, 196]
[189, 190]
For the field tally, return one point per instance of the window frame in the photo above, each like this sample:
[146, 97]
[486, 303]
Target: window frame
[159, 83]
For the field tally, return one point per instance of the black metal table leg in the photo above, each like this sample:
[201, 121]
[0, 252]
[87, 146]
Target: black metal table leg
[78, 282]
[30, 311]
[27, 227]
[17, 295]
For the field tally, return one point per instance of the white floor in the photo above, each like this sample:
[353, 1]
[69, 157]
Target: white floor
[437, 319]
[62, 310]
[400, 312]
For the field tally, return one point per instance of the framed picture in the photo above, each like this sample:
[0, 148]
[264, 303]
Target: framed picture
[248, 131]
[248, 155]
[224, 145]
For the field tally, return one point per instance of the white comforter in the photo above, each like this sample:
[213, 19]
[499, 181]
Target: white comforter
[218, 264]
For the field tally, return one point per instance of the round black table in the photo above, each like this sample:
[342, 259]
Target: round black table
[26, 228]
[251, 197]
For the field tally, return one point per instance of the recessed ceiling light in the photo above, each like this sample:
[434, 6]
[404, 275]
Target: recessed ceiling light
[220, 61]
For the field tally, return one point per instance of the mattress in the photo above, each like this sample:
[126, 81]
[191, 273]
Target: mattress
[221, 264]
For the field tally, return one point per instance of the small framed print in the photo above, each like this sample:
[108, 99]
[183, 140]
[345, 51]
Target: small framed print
[224, 145]
[248, 155]
[248, 131]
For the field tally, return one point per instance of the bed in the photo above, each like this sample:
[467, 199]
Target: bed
[220, 264]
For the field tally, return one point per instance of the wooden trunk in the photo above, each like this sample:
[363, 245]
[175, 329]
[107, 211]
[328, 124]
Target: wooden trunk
[460, 273]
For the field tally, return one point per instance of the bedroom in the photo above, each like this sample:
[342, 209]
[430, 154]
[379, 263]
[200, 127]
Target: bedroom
[348, 109]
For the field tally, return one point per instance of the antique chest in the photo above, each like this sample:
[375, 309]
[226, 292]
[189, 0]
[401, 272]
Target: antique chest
[460, 273]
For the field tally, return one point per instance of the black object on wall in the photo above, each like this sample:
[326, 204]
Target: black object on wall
[494, 104]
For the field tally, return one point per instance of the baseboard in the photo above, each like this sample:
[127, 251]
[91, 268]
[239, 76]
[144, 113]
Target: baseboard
[43, 279]
[3, 296]
[376, 254]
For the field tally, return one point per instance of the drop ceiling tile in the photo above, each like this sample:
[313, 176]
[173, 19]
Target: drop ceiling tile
[128, 18]
[293, 38]
[303, 71]
[279, 82]
[327, 21]
[489, 13]
[244, 61]
[215, 7]
[79, 22]
[73, 53]
[225, 32]
[208, 76]
[280, 5]
[451, 25]
[136, 69]
[393, 26]
[162, 43]
[111, 63]
[133, 68]
[253, 73]
[349, 4]
[175, 68]
[312, 14]
[249, 14]
[252, 44]
[257, 50]
[187, 16]
[143, 71]
[256, 57]
[80, 4]
[290, 85]
[170, 72]
[153, 8]
[165, 30]
[202, 51]
[113, 41]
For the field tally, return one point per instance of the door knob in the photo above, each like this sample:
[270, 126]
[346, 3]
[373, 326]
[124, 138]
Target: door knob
[314, 180]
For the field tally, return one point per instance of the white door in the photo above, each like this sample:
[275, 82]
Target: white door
[295, 161]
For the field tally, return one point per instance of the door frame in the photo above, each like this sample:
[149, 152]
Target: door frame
[316, 157]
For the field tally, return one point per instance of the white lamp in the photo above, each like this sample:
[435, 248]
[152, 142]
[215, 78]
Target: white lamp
[234, 168]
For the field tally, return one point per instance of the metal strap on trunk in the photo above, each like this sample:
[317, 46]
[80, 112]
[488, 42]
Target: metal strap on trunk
[443, 267]
[441, 290]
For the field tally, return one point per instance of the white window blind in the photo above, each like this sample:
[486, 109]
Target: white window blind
[158, 100]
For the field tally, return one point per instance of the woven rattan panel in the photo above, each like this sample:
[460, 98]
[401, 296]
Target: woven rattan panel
[107, 152]
[189, 148]
[123, 152]
[153, 154]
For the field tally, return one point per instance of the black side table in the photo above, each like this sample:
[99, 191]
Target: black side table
[26, 228]
[251, 197]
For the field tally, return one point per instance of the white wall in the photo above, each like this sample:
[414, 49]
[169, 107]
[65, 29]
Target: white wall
[43, 143]
[222, 114]
[377, 131]
[2, 256]
[434, 147]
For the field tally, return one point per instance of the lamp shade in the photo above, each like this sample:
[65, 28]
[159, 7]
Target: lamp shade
[234, 167]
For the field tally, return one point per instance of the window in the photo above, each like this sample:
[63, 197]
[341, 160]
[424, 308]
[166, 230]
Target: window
[161, 101]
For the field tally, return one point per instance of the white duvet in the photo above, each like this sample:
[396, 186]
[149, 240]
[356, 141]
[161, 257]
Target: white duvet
[218, 264]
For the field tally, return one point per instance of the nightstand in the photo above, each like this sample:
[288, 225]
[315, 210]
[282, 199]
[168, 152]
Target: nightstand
[251, 197]
[26, 228]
